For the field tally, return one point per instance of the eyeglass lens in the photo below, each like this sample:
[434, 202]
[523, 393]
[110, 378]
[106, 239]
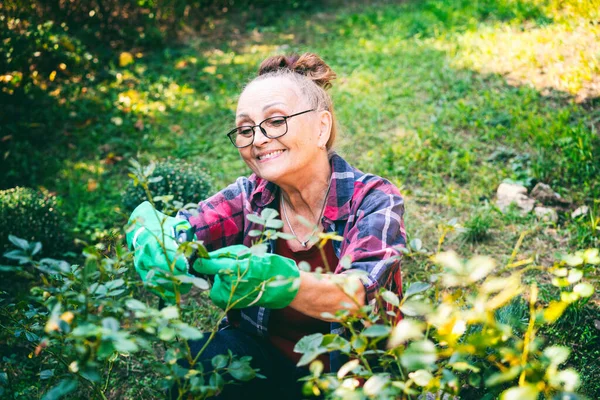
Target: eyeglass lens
[273, 127]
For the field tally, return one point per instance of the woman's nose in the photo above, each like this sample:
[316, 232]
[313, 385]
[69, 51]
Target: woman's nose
[259, 137]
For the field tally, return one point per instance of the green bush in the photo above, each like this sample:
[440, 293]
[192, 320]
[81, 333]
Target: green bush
[477, 228]
[35, 216]
[185, 182]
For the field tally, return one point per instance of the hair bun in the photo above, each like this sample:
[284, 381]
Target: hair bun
[308, 64]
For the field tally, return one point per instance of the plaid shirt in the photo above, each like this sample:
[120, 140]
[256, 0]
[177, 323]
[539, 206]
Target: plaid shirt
[365, 209]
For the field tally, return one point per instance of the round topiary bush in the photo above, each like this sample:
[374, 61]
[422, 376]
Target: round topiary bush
[186, 182]
[35, 216]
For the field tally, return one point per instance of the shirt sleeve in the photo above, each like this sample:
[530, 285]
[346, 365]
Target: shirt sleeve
[219, 220]
[373, 241]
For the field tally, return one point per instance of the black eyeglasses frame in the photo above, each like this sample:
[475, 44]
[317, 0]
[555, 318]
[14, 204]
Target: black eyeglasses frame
[233, 132]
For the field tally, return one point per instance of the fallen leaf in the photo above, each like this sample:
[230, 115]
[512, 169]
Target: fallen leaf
[92, 185]
[125, 58]
[176, 129]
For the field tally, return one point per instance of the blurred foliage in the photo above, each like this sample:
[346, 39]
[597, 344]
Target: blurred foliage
[181, 181]
[465, 333]
[34, 216]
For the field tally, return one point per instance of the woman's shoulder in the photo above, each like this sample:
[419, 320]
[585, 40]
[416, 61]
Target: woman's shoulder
[362, 183]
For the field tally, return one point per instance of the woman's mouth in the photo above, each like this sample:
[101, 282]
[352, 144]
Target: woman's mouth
[269, 156]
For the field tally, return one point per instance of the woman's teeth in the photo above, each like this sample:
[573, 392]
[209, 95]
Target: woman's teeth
[270, 155]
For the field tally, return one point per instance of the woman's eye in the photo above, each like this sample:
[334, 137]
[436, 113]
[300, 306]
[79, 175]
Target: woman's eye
[245, 131]
[275, 122]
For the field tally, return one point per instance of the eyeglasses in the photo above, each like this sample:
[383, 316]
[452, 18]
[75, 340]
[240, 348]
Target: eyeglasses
[272, 128]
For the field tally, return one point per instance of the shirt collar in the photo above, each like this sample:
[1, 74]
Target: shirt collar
[340, 194]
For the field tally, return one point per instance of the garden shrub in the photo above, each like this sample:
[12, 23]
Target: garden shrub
[35, 216]
[185, 182]
[475, 329]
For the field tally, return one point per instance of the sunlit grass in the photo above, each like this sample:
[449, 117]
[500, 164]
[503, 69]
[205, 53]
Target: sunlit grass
[556, 56]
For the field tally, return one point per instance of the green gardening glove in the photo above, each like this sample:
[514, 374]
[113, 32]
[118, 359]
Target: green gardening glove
[145, 237]
[269, 280]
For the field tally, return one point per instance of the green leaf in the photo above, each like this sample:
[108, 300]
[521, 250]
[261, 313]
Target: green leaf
[20, 243]
[189, 332]
[526, 392]
[200, 283]
[415, 288]
[567, 380]
[310, 347]
[37, 246]
[219, 361]
[449, 260]
[308, 343]
[501, 377]
[254, 233]
[114, 284]
[463, 366]
[269, 214]
[47, 373]
[286, 236]
[216, 380]
[259, 249]
[375, 384]
[391, 298]
[135, 305]
[32, 337]
[584, 289]
[63, 388]
[124, 345]
[479, 267]
[274, 224]
[405, 330]
[85, 330]
[557, 354]
[155, 179]
[18, 255]
[421, 377]
[310, 356]
[255, 219]
[111, 324]
[166, 334]
[413, 308]
[170, 312]
[416, 244]
[346, 368]
[241, 371]
[10, 268]
[377, 331]
[419, 355]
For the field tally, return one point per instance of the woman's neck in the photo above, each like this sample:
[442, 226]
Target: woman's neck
[305, 196]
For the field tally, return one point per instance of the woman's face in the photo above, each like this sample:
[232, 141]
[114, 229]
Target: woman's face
[286, 158]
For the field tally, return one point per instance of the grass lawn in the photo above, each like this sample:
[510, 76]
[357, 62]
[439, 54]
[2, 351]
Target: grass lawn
[447, 99]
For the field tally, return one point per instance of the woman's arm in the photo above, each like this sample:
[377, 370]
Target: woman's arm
[371, 242]
[219, 220]
[320, 294]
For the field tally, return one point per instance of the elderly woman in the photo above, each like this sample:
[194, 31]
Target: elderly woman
[285, 132]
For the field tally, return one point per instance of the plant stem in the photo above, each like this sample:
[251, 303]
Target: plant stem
[530, 332]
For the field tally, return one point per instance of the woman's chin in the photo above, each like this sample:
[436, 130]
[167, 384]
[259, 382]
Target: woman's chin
[272, 173]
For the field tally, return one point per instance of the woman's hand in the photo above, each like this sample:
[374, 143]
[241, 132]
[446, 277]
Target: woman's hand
[243, 279]
[320, 294]
[151, 236]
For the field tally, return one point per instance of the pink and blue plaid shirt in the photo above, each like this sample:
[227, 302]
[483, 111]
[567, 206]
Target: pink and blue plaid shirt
[365, 209]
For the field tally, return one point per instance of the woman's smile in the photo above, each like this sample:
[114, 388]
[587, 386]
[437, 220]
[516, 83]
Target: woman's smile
[269, 155]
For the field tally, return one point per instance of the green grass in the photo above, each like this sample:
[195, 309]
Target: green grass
[424, 98]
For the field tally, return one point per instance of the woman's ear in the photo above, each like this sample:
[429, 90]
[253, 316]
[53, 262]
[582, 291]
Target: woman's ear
[325, 123]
